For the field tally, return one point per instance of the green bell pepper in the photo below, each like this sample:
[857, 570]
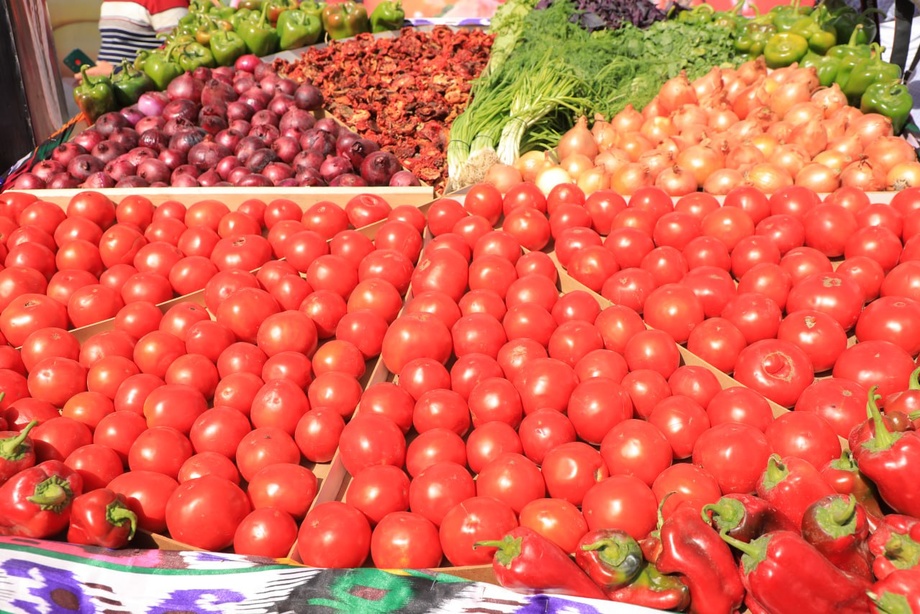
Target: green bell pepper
[140, 58]
[345, 19]
[814, 28]
[252, 5]
[94, 95]
[276, 7]
[785, 17]
[227, 46]
[298, 29]
[161, 68]
[866, 72]
[260, 38]
[845, 19]
[240, 17]
[221, 12]
[784, 48]
[852, 51]
[891, 99]
[730, 20]
[387, 16]
[195, 55]
[129, 83]
[698, 15]
[825, 66]
[311, 7]
[753, 38]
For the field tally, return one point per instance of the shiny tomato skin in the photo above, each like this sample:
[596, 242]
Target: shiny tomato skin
[369, 440]
[434, 446]
[378, 490]
[489, 441]
[571, 469]
[262, 447]
[404, 540]
[473, 520]
[757, 316]
[334, 535]
[621, 502]
[819, 335]
[718, 342]
[147, 493]
[690, 484]
[162, 449]
[558, 521]
[287, 487]
[416, 336]
[839, 401]
[894, 319]
[652, 349]
[596, 406]
[545, 383]
[738, 404]
[805, 435]
[440, 487]
[735, 454]
[876, 363]
[637, 448]
[317, 434]
[778, 369]
[265, 532]
[97, 464]
[829, 293]
[208, 463]
[219, 430]
[682, 420]
[192, 517]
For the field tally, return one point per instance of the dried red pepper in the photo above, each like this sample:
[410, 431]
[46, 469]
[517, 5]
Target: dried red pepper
[527, 560]
[895, 545]
[892, 461]
[838, 527]
[693, 550]
[16, 451]
[783, 573]
[745, 517]
[101, 518]
[792, 484]
[36, 502]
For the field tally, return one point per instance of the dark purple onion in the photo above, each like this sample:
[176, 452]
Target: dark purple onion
[89, 138]
[83, 166]
[207, 154]
[242, 82]
[120, 167]
[260, 158]
[152, 103]
[132, 181]
[184, 169]
[327, 124]
[262, 70]
[255, 98]
[132, 115]
[181, 108]
[309, 177]
[404, 178]
[359, 150]
[308, 97]
[267, 133]
[65, 152]
[236, 174]
[185, 140]
[171, 158]
[223, 74]
[202, 73]
[218, 93]
[246, 146]
[228, 138]
[286, 86]
[287, 148]
[239, 110]
[212, 124]
[106, 151]
[152, 171]
[268, 81]
[297, 118]
[46, 169]
[265, 117]
[209, 179]
[108, 122]
[126, 137]
[307, 159]
[348, 180]
[154, 139]
[154, 121]
[254, 180]
[177, 125]
[63, 181]
[319, 141]
[100, 180]
[281, 103]
[184, 87]
[378, 167]
[139, 154]
[185, 181]
[333, 166]
[278, 172]
[28, 181]
[226, 165]
[241, 125]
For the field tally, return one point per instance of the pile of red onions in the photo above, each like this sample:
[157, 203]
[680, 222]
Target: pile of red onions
[230, 126]
[729, 128]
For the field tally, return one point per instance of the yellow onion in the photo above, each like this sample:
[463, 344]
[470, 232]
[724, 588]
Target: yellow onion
[888, 151]
[578, 139]
[767, 178]
[831, 99]
[722, 181]
[869, 127]
[810, 136]
[818, 177]
[627, 120]
[592, 180]
[904, 175]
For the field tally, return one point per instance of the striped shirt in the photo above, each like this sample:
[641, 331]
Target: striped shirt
[127, 27]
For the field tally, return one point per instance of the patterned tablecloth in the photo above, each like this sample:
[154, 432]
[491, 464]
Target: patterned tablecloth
[51, 577]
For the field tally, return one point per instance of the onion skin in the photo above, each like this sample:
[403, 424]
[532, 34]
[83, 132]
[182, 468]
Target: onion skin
[818, 178]
[904, 175]
[577, 140]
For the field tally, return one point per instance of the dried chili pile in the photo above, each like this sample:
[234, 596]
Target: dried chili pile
[401, 92]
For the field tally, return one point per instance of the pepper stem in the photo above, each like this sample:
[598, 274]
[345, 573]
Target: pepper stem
[837, 517]
[842, 515]
[10, 448]
[845, 462]
[775, 472]
[727, 513]
[754, 552]
[890, 603]
[854, 35]
[52, 494]
[883, 438]
[610, 551]
[509, 548]
[117, 513]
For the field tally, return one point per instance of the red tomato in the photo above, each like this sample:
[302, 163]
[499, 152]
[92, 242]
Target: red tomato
[543, 431]
[695, 382]
[245, 310]
[894, 319]
[196, 371]
[174, 405]
[138, 318]
[805, 435]
[156, 350]
[842, 403]
[443, 307]
[596, 406]
[265, 532]
[829, 293]
[712, 286]
[876, 242]
[56, 380]
[162, 449]
[284, 331]
[241, 357]
[868, 275]
[391, 401]
[571, 469]
[97, 464]
[601, 363]
[279, 403]
[718, 342]
[334, 390]
[517, 354]
[474, 520]
[528, 321]
[489, 441]
[738, 404]
[818, 334]
[646, 388]
[559, 521]
[827, 228]
[88, 408]
[91, 304]
[707, 251]
[404, 540]
[193, 519]
[674, 309]
[365, 329]
[317, 434]
[208, 463]
[219, 430]
[470, 370]
[689, 483]
[263, 447]
[636, 448]
[287, 487]
[532, 289]
[415, 336]
[876, 363]
[147, 493]
[629, 246]
[621, 502]
[779, 370]
[617, 325]
[437, 489]
[371, 439]
[28, 313]
[118, 431]
[441, 408]
[783, 230]
[48, 342]
[546, 383]
[728, 224]
[652, 349]
[378, 490]
[495, 399]
[334, 534]
[682, 420]
[326, 309]
[735, 454]
[478, 333]
[757, 316]
[434, 446]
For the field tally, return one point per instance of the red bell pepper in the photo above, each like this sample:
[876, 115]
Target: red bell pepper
[838, 527]
[745, 516]
[892, 461]
[898, 593]
[101, 518]
[16, 451]
[527, 560]
[783, 573]
[843, 476]
[792, 484]
[37, 501]
[610, 557]
[895, 545]
[693, 550]
[652, 589]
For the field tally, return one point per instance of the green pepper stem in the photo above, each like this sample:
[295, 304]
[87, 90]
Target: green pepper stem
[842, 515]
[9, 448]
[884, 439]
[509, 548]
[610, 551]
[856, 31]
[51, 494]
[753, 550]
[776, 471]
[117, 513]
[726, 513]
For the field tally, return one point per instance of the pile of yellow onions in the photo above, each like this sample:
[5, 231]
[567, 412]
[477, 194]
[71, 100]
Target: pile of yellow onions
[729, 128]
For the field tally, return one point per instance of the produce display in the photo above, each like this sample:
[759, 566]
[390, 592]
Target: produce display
[402, 93]
[242, 125]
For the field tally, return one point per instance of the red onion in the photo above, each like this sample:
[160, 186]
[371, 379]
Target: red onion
[286, 86]
[152, 171]
[281, 103]
[185, 181]
[333, 166]
[237, 174]
[132, 115]
[309, 177]
[255, 98]
[152, 103]
[139, 154]
[202, 73]
[184, 169]
[206, 154]
[318, 140]
[46, 169]
[287, 148]
[266, 133]
[378, 167]
[349, 180]
[308, 97]
[171, 158]
[359, 150]
[223, 73]
[99, 180]
[120, 167]
[226, 165]
[247, 62]
[246, 146]
[89, 138]
[403, 179]
[106, 151]
[209, 178]
[297, 119]
[185, 140]
[290, 182]
[212, 124]
[228, 138]
[65, 152]
[239, 110]
[242, 82]
[179, 124]
[277, 172]
[254, 180]
[28, 181]
[153, 139]
[327, 124]
[307, 160]
[126, 137]
[154, 121]
[83, 166]
[265, 116]
[132, 181]
[241, 125]
[186, 87]
[108, 122]
[260, 158]
[218, 93]
[262, 70]
[181, 108]
[63, 181]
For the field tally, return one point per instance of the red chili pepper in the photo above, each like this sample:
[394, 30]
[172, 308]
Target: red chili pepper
[610, 557]
[892, 462]
[838, 527]
[692, 549]
[792, 484]
[652, 589]
[844, 476]
[527, 560]
[101, 518]
[898, 593]
[895, 544]
[745, 517]
[16, 451]
[36, 502]
[783, 573]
